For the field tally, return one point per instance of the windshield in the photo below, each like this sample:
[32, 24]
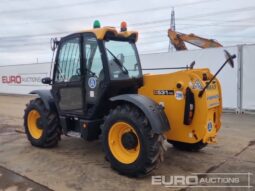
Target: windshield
[123, 60]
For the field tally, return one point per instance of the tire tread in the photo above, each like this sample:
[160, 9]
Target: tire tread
[51, 136]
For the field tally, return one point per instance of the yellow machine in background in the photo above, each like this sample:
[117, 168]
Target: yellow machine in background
[98, 90]
[178, 40]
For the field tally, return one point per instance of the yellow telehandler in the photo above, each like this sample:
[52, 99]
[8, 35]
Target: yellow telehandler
[98, 91]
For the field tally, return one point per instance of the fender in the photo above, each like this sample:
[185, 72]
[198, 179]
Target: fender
[47, 98]
[152, 110]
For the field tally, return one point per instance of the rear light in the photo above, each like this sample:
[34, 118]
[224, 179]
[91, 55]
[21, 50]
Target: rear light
[205, 78]
[190, 114]
[189, 107]
[214, 117]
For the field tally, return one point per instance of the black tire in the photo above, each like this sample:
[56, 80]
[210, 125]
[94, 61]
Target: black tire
[49, 123]
[195, 147]
[151, 150]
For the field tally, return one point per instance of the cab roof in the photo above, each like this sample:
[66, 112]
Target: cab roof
[101, 33]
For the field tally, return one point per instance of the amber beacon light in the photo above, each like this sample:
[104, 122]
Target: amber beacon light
[123, 26]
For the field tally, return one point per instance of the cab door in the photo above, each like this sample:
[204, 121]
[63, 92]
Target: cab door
[95, 78]
[68, 82]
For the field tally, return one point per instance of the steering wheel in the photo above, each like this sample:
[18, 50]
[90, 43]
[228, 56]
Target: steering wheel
[91, 73]
[121, 58]
[78, 71]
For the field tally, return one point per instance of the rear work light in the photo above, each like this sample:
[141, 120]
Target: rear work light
[189, 107]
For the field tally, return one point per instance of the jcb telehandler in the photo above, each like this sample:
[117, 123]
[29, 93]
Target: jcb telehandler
[99, 91]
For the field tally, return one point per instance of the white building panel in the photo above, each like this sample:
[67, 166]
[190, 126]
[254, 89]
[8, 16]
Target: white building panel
[248, 77]
[21, 79]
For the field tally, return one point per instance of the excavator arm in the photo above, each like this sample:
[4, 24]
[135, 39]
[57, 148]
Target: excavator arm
[178, 39]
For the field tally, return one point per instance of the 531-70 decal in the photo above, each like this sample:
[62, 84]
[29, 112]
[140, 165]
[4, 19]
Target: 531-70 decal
[163, 92]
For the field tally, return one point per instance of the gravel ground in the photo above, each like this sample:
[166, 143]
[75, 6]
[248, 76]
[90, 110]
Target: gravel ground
[79, 165]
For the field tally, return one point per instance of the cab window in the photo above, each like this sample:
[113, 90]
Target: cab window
[94, 63]
[68, 63]
[122, 59]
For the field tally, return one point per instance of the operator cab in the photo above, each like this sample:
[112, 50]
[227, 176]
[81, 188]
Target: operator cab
[91, 67]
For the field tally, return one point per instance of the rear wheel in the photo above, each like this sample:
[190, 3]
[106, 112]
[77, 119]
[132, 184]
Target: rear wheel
[129, 145]
[193, 147]
[41, 126]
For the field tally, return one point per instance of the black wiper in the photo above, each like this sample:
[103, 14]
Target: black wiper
[117, 61]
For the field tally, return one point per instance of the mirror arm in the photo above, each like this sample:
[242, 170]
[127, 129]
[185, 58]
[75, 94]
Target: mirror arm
[203, 90]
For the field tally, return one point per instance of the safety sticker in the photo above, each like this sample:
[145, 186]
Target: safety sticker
[92, 82]
[209, 126]
[178, 95]
[213, 97]
[91, 94]
[197, 85]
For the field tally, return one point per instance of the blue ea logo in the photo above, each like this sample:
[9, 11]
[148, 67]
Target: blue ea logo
[209, 126]
[92, 82]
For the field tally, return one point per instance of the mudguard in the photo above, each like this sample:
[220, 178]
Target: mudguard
[152, 110]
[47, 98]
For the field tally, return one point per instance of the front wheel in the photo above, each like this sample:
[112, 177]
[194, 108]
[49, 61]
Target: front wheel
[129, 145]
[41, 126]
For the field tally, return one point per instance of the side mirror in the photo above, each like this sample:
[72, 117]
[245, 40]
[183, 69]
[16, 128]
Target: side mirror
[230, 58]
[47, 80]
[54, 43]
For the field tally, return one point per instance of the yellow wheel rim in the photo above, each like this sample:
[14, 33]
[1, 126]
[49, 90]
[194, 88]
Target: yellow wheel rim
[32, 118]
[122, 154]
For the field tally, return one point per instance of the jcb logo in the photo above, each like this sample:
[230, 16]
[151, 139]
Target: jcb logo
[11, 79]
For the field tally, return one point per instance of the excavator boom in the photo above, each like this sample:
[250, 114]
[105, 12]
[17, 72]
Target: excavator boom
[178, 39]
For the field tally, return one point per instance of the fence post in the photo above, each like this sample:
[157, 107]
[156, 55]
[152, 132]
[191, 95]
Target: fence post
[239, 79]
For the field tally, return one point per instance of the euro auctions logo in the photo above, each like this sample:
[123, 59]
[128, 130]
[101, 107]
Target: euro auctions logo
[11, 79]
[205, 180]
[23, 79]
[174, 181]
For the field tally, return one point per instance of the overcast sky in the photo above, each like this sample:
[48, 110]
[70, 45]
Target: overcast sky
[28, 25]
